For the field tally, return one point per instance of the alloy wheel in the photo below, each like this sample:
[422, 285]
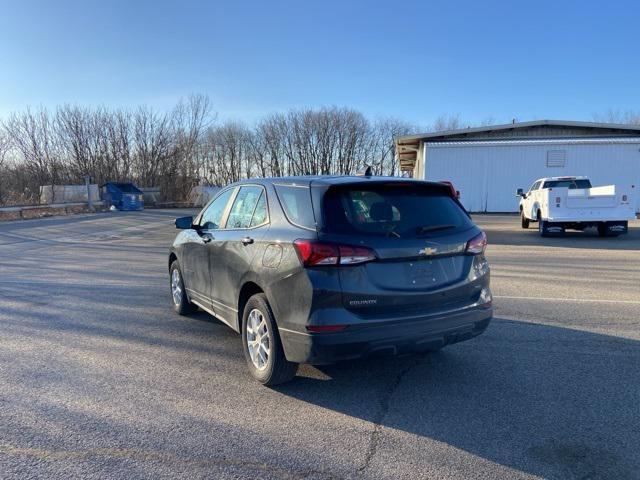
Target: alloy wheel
[176, 287]
[258, 341]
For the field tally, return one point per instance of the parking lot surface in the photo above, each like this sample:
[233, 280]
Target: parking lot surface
[99, 378]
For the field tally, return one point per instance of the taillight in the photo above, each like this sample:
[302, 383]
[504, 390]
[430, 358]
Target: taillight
[624, 198]
[313, 253]
[557, 199]
[477, 244]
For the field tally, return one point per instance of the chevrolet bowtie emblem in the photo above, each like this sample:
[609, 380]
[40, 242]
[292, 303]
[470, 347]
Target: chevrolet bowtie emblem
[427, 251]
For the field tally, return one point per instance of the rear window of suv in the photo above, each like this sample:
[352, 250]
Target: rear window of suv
[396, 210]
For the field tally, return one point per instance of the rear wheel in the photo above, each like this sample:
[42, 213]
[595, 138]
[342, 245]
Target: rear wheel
[524, 221]
[262, 345]
[602, 229]
[542, 227]
[548, 229]
[605, 231]
[181, 303]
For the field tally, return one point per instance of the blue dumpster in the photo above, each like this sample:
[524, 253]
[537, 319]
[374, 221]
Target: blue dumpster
[123, 196]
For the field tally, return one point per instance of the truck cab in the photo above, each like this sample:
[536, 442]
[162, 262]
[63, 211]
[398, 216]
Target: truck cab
[560, 203]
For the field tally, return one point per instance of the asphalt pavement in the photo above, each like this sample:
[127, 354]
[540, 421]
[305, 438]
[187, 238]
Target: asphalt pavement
[99, 378]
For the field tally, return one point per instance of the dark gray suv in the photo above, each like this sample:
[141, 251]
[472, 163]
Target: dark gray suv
[322, 269]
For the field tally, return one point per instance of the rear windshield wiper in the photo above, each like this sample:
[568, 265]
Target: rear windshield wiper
[433, 228]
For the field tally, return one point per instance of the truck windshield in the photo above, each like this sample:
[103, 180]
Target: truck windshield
[399, 210]
[570, 184]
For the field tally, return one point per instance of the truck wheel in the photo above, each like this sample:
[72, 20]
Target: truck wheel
[542, 227]
[524, 221]
[262, 345]
[548, 229]
[602, 229]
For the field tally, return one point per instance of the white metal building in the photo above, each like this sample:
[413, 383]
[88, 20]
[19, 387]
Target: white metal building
[488, 164]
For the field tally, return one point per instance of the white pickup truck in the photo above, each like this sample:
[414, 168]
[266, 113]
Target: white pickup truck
[558, 203]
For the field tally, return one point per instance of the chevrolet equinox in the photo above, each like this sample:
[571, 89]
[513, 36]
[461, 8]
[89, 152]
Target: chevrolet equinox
[319, 269]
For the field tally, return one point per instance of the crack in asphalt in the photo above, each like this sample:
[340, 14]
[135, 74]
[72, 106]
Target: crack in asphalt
[147, 456]
[385, 405]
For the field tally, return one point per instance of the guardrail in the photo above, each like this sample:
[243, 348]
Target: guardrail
[21, 212]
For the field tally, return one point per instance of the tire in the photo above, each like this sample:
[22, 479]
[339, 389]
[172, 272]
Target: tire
[542, 227]
[602, 230]
[181, 303]
[262, 345]
[524, 221]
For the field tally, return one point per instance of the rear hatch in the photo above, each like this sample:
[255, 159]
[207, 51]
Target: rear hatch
[418, 234]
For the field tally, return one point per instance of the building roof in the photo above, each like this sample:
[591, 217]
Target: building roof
[407, 146]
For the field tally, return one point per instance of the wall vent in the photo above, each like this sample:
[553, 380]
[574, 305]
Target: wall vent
[556, 158]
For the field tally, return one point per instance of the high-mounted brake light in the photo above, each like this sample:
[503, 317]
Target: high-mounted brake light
[477, 244]
[313, 253]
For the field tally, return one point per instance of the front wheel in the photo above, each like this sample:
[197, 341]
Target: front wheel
[524, 221]
[262, 345]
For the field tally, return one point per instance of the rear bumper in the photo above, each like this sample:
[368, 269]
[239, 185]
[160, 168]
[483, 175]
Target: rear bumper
[414, 334]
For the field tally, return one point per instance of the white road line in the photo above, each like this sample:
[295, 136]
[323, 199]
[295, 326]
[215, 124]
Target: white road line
[557, 299]
[88, 283]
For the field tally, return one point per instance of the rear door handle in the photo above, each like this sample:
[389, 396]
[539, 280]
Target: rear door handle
[247, 240]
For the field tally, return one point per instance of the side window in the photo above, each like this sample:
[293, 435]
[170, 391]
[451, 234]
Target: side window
[296, 203]
[260, 214]
[243, 207]
[213, 214]
[535, 186]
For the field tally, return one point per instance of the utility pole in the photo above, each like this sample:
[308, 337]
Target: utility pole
[87, 182]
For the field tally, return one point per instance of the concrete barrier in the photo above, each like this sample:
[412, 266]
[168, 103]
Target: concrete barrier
[41, 211]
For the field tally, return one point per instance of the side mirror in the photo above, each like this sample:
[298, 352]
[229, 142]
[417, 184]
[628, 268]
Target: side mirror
[184, 223]
[520, 193]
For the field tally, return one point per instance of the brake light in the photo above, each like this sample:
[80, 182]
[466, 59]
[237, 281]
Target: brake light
[477, 244]
[313, 253]
[624, 198]
[557, 199]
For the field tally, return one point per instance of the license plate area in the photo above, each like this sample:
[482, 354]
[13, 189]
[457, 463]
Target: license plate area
[421, 273]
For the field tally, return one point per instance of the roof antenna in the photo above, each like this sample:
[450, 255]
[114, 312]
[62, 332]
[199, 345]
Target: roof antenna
[365, 171]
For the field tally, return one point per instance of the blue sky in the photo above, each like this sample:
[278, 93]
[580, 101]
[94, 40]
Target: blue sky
[412, 60]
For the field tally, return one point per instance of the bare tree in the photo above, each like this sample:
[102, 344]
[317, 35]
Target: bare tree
[178, 148]
[446, 122]
[382, 147]
[4, 169]
[628, 117]
[32, 135]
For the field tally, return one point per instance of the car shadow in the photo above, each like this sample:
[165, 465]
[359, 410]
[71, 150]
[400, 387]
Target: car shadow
[549, 401]
[588, 239]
